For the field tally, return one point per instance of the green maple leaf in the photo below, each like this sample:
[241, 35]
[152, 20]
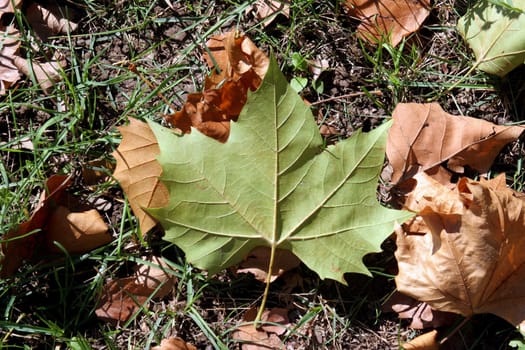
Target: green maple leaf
[494, 31]
[272, 185]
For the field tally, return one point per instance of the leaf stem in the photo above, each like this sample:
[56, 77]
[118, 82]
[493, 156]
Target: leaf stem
[257, 320]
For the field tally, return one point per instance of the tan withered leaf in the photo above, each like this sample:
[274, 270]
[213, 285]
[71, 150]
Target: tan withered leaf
[52, 221]
[381, 19]
[122, 298]
[424, 136]
[257, 261]
[238, 66]
[138, 171]
[8, 6]
[470, 258]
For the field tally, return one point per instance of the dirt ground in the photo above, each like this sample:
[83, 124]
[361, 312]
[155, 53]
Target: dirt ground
[343, 106]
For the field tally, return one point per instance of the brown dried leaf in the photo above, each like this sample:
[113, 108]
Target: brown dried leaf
[123, 297]
[426, 341]
[9, 73]
[138, 171]
[258, 260]
[46, 74]
[175, 343]
[423, 136]
[471, 260]
[388, 18]
[238, 66]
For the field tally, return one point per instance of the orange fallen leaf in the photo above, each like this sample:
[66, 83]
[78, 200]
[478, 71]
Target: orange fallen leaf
[138, 171]
[424, 136]
[426, 341]
[52, 221]
[471, 257]
[238, 66]
[390, 19]
[175, 343]
[122, 298]
[257, 262]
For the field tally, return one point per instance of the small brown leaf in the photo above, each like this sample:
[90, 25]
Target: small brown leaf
[258, 260]
[388, 18]
[123, 297]
[424, 136]
[138, 171]
[174, 344]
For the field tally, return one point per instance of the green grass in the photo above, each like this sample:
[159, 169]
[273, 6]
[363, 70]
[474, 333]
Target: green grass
[51, 303]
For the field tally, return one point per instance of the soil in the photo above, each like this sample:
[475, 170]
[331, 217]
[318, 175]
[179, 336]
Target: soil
[350, 316]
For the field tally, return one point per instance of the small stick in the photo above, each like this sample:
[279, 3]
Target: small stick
[133, 68]
[353, 94]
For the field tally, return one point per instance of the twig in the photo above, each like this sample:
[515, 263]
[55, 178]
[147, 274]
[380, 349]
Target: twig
[353, 94]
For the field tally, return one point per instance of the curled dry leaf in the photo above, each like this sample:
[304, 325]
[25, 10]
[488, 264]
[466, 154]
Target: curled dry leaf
[424, 136]
[138, 171]
[390, 19]
[122, 298]
[258, 260]
[238, 66]
[9, 73]
[175, 343]
[46, 74]
[52, 221]
[468, 257]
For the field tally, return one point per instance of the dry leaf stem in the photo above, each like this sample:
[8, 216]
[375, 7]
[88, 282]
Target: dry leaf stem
[266, 287]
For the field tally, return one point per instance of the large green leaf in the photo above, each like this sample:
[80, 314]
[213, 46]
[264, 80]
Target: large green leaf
[272, 185]
[495, 32]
